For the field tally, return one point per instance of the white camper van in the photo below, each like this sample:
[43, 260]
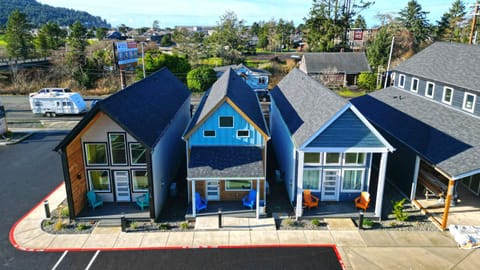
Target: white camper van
[53, 103]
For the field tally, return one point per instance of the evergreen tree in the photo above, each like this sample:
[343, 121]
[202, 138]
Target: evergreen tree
[452, 25]
[378, 49]
[76, 58]
[414, 19]
[50, 37]
[360, 22]
[17, 35]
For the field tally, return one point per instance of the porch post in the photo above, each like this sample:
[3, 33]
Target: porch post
[446, 210]
[381, 185]
[299, 209]
[194, 210]
[415, 178]
[257, 214]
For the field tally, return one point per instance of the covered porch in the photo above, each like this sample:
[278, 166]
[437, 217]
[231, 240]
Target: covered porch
[114, 211]
[344, 209]
[226, 208]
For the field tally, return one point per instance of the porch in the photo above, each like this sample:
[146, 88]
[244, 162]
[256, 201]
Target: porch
[111, 211]
[228, 208]
[345, 209]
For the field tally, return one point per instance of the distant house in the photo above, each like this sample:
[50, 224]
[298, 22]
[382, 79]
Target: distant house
[357, 38]
[114, 35]
[128, 144]
[256, 78]
[226, 146]
[325, 145]
[335, 69]
[431, 114]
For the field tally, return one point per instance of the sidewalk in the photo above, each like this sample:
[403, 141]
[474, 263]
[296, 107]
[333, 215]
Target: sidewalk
[358, 249]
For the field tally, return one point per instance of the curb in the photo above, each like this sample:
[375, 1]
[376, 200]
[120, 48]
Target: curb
[17, 140]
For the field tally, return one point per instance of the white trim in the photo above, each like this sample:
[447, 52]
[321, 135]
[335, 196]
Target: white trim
[354, 164]
[299, 206]
[214, 133]
[247, 136]
[223, 178]
[467, 174]
[473, 102]
[337, 183]
[320, 170]
[233, 121]
[451, 95]
[400, 76]
[320, 157]
[332, 164]
[411, 84]
[389, 147]
[226, 188]
[415, 178]
[433, 89]
[347, 149]
[381, 185]
[194, 207]
[362, 178]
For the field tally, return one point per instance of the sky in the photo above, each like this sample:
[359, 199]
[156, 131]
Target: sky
[142, 13]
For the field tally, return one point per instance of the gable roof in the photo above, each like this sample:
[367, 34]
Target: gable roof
[451, 63]
[233, 89]
[258, 71]
[144, 109]
[443, 136]
[349, 62]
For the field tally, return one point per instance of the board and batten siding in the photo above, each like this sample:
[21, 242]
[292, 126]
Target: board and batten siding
[226, 136]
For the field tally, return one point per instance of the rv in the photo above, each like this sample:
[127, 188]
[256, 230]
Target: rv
[56, 103]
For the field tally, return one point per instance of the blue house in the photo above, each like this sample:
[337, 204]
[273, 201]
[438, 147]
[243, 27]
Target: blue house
[325, 145]
[257, 79]
[128, 145]
[226, 145]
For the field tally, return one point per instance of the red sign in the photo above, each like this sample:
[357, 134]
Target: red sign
[358, 35]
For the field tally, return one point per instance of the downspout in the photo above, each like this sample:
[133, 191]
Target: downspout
[68, 184]
[150, 183]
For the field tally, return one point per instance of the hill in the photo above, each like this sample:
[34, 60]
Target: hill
[38, 14]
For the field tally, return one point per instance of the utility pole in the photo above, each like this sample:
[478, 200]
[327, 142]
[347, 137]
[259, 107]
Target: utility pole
[389, 60]
[474, 22]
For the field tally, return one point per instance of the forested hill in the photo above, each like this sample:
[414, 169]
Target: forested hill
[38, 14]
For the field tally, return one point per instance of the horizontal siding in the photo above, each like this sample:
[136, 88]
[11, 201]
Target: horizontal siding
[253, 80]
[226, 136]
[347, 131]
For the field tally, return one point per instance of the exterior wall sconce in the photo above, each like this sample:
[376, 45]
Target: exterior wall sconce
[79, 176]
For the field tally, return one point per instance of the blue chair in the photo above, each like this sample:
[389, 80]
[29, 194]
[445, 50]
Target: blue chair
[249, 200]
[200, 203]
[93, 200]
[143, 200]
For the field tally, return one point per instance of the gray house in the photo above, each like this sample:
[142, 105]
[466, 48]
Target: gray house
[431, 115]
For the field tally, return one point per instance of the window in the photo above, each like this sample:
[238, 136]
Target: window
[99, 180]
[311, 179]
[140, 180]
[414, 86]
[243, 133]
[311, 158]
[226, 121]
[352, 180]
[118, 149]
[238, 185]
[138, 154]
[469, 102]
[262, 80]
[430, 89]
[332, 158]
[209, 133]
[401, 81]
[96, 153]
[447, 95]
[355, 158]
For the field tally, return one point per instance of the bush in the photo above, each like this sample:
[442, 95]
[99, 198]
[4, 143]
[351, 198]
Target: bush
[64, 212]
[59, 225]
[368, 222]
[163, 226]
[81, 227]
[315, 222]
[398, 212]
[133, 225]
[290, 222]
[184, 225]
[200, 79]
[367, 80]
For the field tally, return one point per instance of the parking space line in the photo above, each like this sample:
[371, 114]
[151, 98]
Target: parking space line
[92, 260]
[60, 260]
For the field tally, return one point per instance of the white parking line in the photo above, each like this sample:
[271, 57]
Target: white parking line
[60, 260]
[92, 260]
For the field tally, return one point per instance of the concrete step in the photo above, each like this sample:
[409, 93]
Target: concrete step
[114, 222]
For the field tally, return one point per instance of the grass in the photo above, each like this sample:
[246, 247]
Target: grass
[347, 93]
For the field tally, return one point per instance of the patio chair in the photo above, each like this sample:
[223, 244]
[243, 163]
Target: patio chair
[309, 200]
[93, 200]
[143, 200]
[362, 201]
[200, 203]
[249, 200]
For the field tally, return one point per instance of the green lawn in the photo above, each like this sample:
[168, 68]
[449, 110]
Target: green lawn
[3, 43]
[347, 93]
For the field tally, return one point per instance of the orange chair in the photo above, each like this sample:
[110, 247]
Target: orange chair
[309, 200]
[362, 201]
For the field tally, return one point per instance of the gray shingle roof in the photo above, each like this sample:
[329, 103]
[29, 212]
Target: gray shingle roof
[349, 62]
[445, 137]
[305, 104]
[225, 162]
[451, 63]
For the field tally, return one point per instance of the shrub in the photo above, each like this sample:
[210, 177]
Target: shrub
[81, 227]
[368, 222]
[200, 79]
[290, 222]
[184, 225]
[163, 226]
[64, 212]
[133, 225]
[367, 80]
[398, 212]
[315, 222]
[59, 225]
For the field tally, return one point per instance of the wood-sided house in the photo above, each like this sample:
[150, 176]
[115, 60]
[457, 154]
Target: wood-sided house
[226, 145]
[431, 115]
[325, 145]
[127, 144]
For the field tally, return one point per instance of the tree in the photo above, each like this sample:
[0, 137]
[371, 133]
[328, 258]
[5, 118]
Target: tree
[189, 44]
[414, 19]
[50, 37]
[360, 22]
[166, 40]
[17, 35]
[76, 59]
[201, 78]
[155, 60]
[101, 33]
[378, 49]
[452, 25]
[367, 81]
[156, 25]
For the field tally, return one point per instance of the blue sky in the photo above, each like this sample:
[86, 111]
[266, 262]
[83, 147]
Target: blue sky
[138, 13]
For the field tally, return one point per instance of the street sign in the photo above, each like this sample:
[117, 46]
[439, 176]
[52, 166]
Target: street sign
[127, 55]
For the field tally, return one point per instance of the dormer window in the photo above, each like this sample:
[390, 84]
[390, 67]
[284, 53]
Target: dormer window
[414, 86]
[225, 121]
[401, 81]
[430, 90]
[469, 102]
[447, 95]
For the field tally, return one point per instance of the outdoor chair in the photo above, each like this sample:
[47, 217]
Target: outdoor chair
[362, 201]
[249, 200]
[93, 200]
[143, 200]
[200, 203]
[309, 200]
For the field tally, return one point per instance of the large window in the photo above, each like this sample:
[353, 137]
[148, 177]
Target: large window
[469, 102]
[96, 154]
[238, 185]
[138, 154]
[354, 158]
[225, 121]
[99, 180]
[311, 179]
[352, 180]
[414, 86]
[140, 180]
[430, 90]
[332, 158]
[401, 81]
[311, 158]
[447, 95]
[118, 149]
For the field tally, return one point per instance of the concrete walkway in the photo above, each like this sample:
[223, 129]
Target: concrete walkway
[374, 249]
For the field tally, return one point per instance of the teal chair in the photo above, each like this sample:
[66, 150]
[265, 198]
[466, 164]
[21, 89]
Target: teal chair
[249, 200]
[93, 200]
[143, 200]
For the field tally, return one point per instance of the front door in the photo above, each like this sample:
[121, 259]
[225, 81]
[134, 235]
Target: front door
[213, 191]
[122, 186]
[330, 185]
